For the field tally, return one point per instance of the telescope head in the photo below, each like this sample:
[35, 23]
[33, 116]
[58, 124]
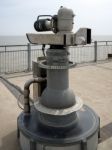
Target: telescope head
[62, 22]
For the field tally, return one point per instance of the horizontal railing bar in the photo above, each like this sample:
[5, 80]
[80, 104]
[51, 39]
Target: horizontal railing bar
[16, 58]
[19, 50]
[13, 51]
[39, 45]
[12, 45]
[102, 41]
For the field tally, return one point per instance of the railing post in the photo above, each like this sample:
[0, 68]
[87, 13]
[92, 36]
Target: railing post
[95, 51]
[0, 63]
[5, 59]
[29, 56]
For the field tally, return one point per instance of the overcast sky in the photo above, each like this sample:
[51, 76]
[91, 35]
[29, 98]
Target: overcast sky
[17, 16]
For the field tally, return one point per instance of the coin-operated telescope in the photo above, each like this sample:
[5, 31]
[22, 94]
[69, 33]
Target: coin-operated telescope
[58, 119]
[62, 25]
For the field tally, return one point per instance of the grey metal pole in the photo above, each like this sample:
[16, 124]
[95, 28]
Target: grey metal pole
[0, 63]
[5, 59]
[29, 56]
[95, 51]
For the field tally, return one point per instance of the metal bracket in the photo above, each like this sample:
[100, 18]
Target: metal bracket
[41, 64]
[32, 145]
[84, 144]
[81, 37]
[59, 112]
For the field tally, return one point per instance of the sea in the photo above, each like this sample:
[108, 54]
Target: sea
[13, 40]
[21, 40]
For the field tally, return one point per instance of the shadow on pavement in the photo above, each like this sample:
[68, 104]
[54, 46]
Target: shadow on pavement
[106, 132]
[10, 142]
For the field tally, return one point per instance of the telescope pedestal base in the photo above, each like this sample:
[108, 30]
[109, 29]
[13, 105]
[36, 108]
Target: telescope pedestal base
[83, 136]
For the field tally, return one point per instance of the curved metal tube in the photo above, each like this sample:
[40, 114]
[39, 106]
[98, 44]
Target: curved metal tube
[27, 92]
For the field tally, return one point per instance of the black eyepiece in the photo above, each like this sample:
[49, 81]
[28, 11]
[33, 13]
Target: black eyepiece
[43, 24]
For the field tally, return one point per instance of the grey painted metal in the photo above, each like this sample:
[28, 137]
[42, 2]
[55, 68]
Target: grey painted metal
[64, 36]
[65, 20]
[29, 56]
[82, 136]
[83, 36]
[45, 39]
[38, 72]
[32, 145]
[90, 144]
[79, 38]
[42, 64]
[59, 112]
[15, 90]
[27, 92]
[62, 128]
[57, 94]
[96, 50]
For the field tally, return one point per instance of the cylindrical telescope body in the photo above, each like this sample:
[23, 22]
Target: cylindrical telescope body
[65, 19]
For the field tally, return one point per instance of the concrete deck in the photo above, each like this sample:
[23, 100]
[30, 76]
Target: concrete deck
[92, 83]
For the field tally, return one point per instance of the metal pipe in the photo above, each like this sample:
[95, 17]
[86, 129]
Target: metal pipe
[27, 92]
[16, 91]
